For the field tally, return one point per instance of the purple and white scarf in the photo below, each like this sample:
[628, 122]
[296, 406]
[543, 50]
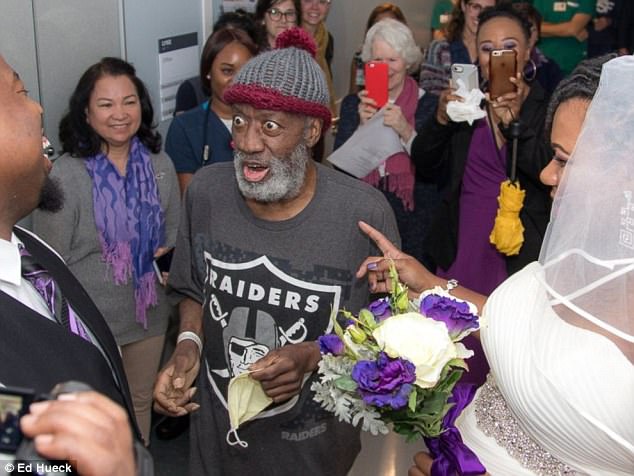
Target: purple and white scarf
[130, 221]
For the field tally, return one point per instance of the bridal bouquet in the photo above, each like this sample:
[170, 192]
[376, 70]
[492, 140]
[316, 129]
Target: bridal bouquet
[397, 362]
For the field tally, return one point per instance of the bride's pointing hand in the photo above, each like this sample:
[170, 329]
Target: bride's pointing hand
[410, 271]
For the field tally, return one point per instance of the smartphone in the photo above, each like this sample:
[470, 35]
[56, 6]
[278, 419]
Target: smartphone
[376, 81]
[502, 66]
[14, 402]
[468, 73]
[162, 264]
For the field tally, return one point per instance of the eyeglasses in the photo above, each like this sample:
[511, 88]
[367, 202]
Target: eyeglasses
[289, 16]
[321, 2]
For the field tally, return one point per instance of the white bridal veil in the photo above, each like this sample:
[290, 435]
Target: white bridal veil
[588, 252]
[588, 273]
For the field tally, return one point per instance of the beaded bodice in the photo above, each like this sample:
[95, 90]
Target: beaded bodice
[562, 399]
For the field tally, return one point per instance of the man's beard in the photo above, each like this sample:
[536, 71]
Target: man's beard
[51, 196]
[286, 175]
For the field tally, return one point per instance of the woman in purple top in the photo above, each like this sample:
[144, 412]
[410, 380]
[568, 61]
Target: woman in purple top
[476, 155]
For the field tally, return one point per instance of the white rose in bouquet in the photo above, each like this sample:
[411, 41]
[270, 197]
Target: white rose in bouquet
[424, 342]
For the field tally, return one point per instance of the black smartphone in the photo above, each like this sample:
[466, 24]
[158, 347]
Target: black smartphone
[162, 264]
[14, 402]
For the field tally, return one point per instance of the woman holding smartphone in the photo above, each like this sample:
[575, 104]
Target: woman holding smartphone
[380, 12]
[458, 47]
[391, 42]
[478, 157]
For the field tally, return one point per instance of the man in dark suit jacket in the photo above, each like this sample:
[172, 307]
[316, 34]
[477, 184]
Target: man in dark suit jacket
[95, 431]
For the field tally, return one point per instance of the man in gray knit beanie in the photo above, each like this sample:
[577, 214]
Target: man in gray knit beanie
[268, 247]
[286, 78]
[288, 83]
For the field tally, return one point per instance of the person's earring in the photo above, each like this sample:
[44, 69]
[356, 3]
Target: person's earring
[530, 71]
[208, 76]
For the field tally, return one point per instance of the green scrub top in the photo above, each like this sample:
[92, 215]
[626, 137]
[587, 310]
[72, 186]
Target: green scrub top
[441, 14]
[566, 51]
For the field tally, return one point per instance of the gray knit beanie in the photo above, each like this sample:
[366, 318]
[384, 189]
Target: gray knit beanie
[286, 79]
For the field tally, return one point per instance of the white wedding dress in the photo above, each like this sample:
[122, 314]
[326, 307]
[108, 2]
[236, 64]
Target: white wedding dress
[567, 389]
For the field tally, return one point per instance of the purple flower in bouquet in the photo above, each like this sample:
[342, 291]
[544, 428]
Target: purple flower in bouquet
[385, 381]
[381, 309]
[456, 314]
[330, 344]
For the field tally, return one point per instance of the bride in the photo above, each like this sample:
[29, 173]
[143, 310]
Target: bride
[559, 335]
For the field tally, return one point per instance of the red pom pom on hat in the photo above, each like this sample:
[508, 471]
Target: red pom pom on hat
[296, 37]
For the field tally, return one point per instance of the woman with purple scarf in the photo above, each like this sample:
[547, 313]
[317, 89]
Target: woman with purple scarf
[412, 196]
[121, 212]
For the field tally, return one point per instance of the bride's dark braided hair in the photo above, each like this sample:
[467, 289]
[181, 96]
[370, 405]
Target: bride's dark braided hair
[582, 83]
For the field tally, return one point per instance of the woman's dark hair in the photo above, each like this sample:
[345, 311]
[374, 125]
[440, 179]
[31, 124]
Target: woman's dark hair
[239, 19]
[216, 43]
[264, 6]
[383, 9]
[78, 138]
[505, 10]
[457, 20]
[531, 14]
[582, 83]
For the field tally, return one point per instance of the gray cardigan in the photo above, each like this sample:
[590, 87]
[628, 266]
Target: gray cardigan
[73, 233]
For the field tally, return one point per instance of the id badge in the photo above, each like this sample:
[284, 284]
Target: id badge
[559, 7]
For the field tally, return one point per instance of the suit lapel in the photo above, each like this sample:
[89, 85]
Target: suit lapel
[83, 305]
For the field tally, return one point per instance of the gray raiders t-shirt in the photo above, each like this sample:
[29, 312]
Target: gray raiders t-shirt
[264, 285]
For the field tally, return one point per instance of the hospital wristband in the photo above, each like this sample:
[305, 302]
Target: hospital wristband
[189, 335]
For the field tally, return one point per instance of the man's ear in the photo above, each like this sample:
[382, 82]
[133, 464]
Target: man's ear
[312, 132]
